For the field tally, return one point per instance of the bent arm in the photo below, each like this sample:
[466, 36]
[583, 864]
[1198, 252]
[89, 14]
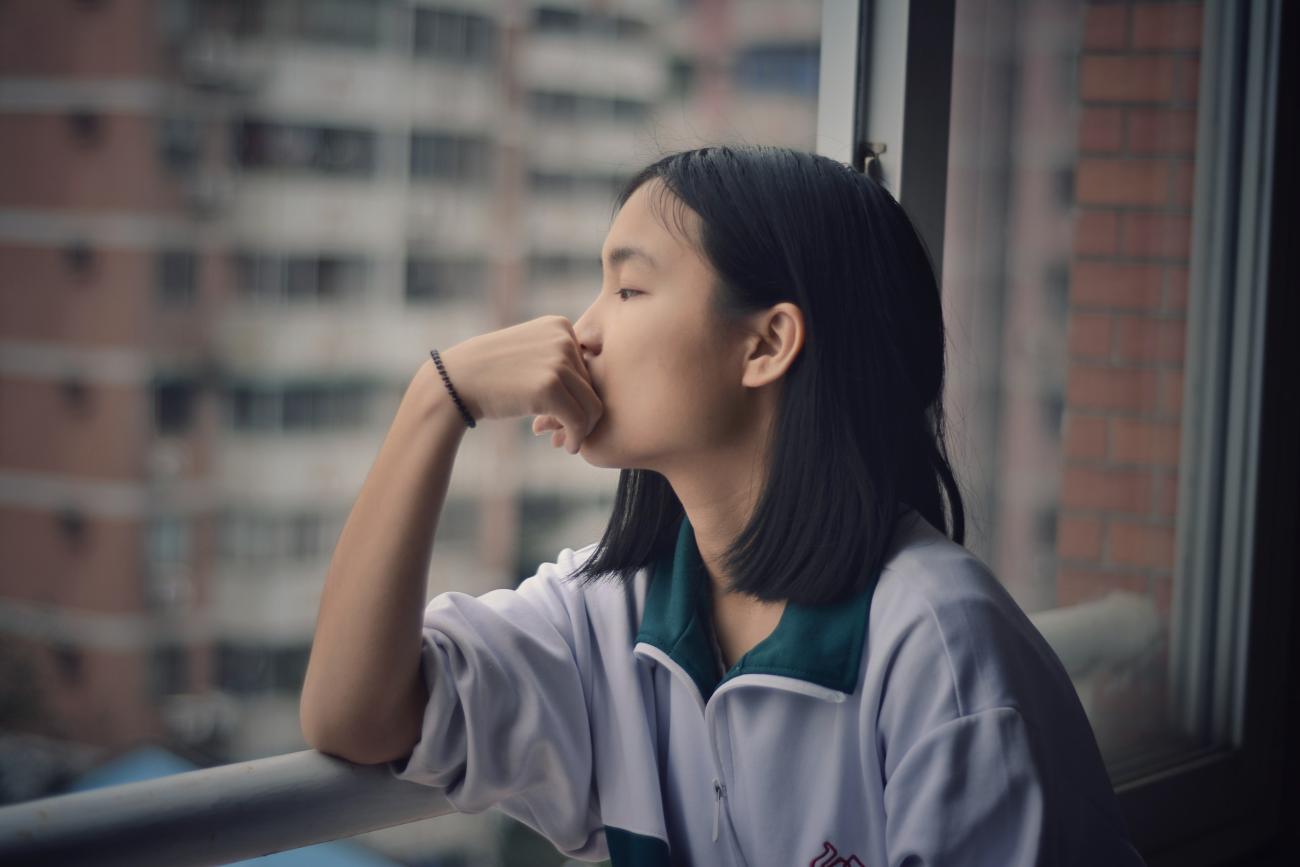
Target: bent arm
[363, 697]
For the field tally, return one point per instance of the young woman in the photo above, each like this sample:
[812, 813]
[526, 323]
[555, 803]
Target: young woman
[775, 655]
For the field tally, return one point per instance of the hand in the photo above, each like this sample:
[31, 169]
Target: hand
[536, 368]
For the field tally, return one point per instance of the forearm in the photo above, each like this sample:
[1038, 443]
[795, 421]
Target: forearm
[362, 697]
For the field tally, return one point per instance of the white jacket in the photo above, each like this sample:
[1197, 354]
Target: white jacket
[925, 724]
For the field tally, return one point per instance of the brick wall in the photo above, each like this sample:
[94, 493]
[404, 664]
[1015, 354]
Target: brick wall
[1137, 80]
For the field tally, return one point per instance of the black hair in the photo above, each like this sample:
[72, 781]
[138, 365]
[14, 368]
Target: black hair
[859, 430]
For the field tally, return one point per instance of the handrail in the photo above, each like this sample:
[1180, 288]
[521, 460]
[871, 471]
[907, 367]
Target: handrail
[247, 809]
[215, 815]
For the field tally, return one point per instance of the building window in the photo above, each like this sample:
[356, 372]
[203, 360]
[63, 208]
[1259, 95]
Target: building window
[254, 408]
[69, 659]
[170, 673]
[779, 68]
[460, 37]
[87, 127]
[300, 278]
[289, 668]
[256, 538]
[243, 669]
[350, 23]
[323, 150]
[169, 540]
[73, 525]
[299, 407]
[433, 279]
[550, 19]
[258, 669]
[180, 142]
[177, 278]
[174, 402]
[681, 77]
[563, 106]
[449, 156]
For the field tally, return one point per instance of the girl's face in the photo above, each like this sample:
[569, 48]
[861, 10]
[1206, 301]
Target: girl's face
[669, 380]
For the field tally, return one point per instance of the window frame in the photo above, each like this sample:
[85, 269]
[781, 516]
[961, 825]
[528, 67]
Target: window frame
[883, 82]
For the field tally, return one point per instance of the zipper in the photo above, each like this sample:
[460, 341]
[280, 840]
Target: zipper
[719, 792]
[709, 710]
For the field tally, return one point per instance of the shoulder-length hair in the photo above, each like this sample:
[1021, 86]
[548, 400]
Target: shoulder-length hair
[859, 432]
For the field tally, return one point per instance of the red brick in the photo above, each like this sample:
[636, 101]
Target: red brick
[1167, 26]
[1111, 388]
[1156, 235]
[1182, 183]
[1103, 284]
[1121, 182]
[1167, 495]
[1187, 79]
[1088, 336]
[1133, 544]
[1144, 441]
[1127, 79]
[1101, 129]
[1161, 130]
[1139, 338]
[1085, 437]
[1171, 391]
[1078, 537]
[1122, 490]
[1176, 288]
[1075, 585]
[1096, 233]
[1105, 27]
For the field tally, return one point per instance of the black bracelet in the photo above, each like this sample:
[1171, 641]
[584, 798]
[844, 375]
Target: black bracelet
[469, 419]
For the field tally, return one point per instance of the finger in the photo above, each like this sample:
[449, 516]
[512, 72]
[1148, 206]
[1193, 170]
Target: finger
[573, 412]
[585, 396]
[543, 423]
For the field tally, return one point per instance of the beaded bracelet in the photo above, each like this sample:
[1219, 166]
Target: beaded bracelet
[469, 419]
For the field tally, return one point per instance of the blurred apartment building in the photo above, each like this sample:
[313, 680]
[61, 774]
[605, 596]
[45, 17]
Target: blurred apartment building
[229, 234]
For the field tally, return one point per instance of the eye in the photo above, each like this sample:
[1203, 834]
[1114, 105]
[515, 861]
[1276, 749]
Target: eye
[619, 292]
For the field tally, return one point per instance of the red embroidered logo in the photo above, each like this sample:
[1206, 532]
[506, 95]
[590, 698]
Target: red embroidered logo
[830, 858]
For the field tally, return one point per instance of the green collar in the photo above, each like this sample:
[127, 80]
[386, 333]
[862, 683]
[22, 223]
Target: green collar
[819, 644]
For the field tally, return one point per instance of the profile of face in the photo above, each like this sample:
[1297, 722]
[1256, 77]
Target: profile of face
[677, 388]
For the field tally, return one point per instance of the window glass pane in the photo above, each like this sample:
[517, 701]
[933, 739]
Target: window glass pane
[1065, 274]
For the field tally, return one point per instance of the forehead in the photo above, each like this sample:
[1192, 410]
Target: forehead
[654, 222]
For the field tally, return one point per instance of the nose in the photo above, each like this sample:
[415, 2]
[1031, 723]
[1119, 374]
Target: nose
[588, 336]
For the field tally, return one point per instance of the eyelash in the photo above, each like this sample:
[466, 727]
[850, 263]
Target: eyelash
[620, 291]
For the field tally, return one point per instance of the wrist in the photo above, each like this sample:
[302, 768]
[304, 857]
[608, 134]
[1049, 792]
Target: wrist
[435, 403]
[447, 367]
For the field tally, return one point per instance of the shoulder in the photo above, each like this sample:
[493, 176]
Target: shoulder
[941, 622]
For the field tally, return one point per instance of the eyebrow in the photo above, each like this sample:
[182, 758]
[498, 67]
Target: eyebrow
[619, 255]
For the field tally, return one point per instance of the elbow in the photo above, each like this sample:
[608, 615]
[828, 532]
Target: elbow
[361, 743]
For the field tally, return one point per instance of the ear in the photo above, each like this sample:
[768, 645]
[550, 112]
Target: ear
[776, 339]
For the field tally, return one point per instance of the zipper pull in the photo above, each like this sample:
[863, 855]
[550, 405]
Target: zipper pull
[719, 791]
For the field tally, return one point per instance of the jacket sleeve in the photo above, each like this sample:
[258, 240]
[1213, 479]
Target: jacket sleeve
[507, 723]
[968, 792]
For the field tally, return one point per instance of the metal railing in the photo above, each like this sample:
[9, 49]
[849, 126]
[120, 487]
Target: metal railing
[248, 809]
[215, 815]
